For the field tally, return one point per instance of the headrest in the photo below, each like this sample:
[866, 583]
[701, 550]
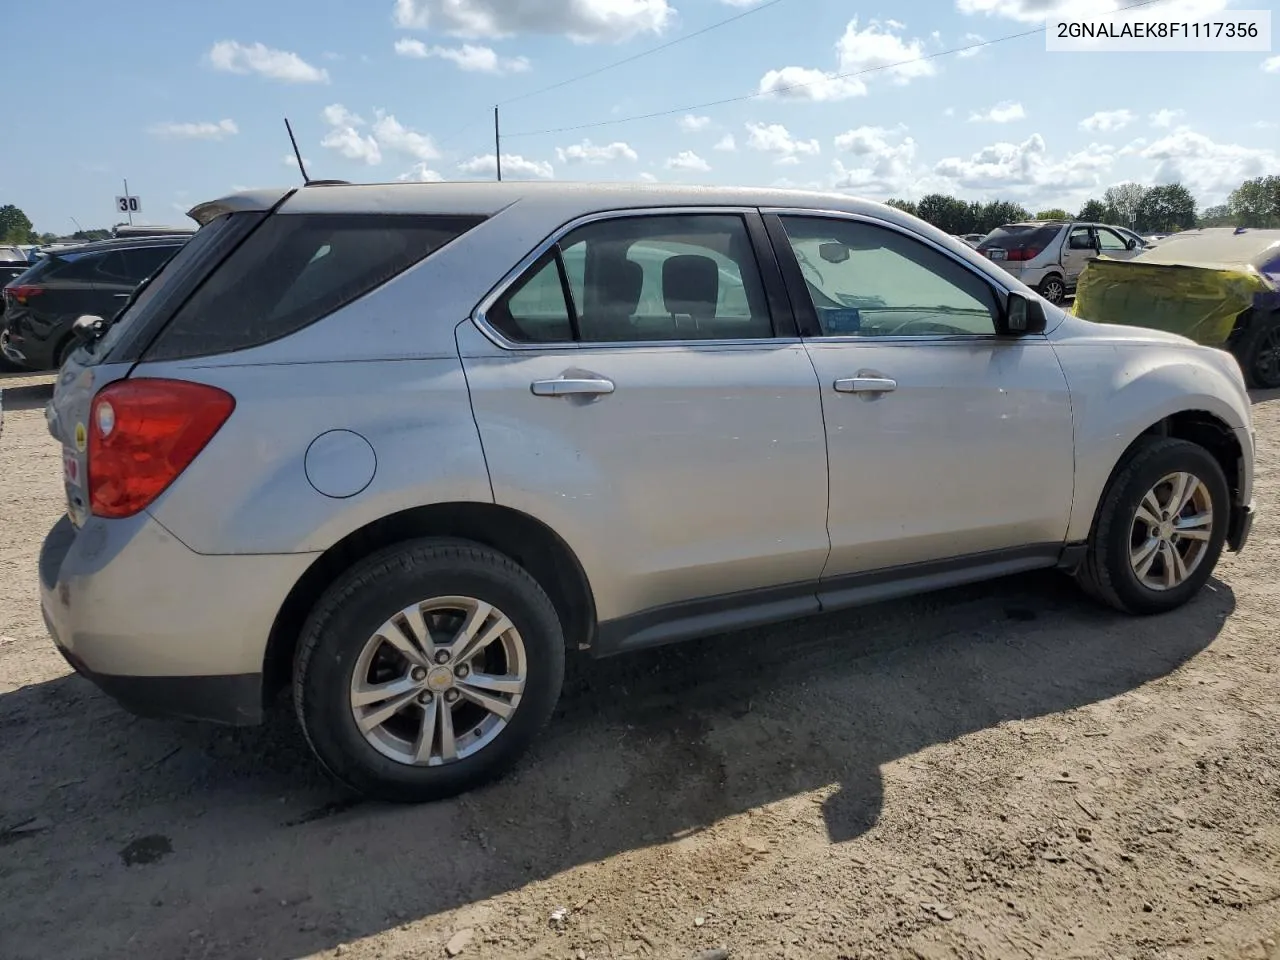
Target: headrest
[690, 285]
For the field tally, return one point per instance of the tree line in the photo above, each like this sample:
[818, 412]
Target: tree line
[1162, 209]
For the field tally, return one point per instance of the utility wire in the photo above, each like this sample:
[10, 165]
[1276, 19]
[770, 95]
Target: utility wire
[796, 86]
[643, 53]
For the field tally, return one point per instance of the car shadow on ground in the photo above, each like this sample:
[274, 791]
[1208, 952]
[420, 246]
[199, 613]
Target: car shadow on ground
[26, 397]
[1263, 396]
[230, 840]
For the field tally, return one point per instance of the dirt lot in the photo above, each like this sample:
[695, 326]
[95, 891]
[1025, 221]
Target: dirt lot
[999, 771]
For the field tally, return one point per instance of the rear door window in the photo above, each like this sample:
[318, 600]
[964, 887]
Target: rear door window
[296, 269]
[144, 261]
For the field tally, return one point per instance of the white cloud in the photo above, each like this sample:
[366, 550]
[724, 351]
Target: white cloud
[949, 112]
[1106, 121]
[691, 124]
[203, 130]
[349, 142]
[803, 83]
[289, 160]
[469, 57]
[1264, 124]
[588, 152]
[1209, 169]
[878, 47]
[687, 160]
[726, 143]
[392, 135]
[1024, 167]
[583, 21]
[648, 177]
[1164, 118]
[336, 115]
[972, 51]
[1006, 111]
[1271, 65]
[421, 173]
[235, 57]
[1035, 11]
[774, 138]
[887, 160]
[513, 165]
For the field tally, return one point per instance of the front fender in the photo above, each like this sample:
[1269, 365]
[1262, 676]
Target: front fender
[1119, 391]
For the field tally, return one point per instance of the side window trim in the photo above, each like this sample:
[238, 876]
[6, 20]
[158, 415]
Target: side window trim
[570, 304]
[783, 326]
[804, 311]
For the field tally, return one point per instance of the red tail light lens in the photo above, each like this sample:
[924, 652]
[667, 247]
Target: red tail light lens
[22, 292]
[142, 434]
[1026, 253]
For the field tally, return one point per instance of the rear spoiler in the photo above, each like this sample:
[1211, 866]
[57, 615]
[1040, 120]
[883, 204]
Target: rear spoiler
[251, 201]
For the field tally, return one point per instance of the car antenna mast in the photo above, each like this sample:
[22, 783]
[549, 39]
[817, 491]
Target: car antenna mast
[306, 181]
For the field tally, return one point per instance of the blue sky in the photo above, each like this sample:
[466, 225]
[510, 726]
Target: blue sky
[186, 99]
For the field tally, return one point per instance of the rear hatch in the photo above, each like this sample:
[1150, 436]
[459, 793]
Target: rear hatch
[115, 351]
[1018, 242]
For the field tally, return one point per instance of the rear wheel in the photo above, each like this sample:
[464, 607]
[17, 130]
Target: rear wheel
[427, 670]
[1053, 288]
[1159, 530]
[1259, 352]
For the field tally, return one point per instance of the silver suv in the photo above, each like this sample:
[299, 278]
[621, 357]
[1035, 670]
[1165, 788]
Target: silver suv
[1050, 255]
[402, 446]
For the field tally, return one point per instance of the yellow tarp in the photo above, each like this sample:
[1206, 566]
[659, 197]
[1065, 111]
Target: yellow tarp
[1197, 302]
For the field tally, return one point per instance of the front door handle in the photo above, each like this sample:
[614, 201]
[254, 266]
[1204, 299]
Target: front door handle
[572, 387]
[866, 385]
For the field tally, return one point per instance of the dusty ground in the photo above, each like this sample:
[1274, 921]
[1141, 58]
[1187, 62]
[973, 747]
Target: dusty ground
[1000, 771]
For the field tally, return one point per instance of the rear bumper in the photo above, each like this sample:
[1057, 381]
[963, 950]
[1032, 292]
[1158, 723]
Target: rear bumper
[163, 630]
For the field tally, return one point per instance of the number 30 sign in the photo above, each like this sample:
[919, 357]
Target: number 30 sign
[128, 204]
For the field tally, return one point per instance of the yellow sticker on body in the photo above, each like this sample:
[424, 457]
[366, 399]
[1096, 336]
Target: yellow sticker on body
[81, 438]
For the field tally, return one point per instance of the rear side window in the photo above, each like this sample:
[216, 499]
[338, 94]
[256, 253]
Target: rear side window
[296, 269]
[1017, 236]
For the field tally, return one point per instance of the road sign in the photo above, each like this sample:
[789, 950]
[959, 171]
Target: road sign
[128, 204]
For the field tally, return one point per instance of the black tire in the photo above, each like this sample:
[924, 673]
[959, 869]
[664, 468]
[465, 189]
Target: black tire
[1258, 352]
[1053, 288]
[362, 599]
[1106, 573]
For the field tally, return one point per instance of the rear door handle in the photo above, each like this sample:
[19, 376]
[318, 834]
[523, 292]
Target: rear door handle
[866, 385]
[572, 387]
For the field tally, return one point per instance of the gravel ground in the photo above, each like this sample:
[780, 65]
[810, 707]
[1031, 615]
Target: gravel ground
[1001, 771]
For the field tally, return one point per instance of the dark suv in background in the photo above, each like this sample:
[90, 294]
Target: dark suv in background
[41, 305]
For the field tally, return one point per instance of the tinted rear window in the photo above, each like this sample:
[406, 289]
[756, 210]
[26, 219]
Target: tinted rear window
[1017, 236]
[296, 269]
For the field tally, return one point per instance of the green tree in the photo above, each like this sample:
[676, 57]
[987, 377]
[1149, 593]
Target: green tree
[1053, 213]
[91, 235]
[997, 213]
[1094, 211]
[15, 226]
[906, 206]
[944, 212]
[1219, 216]
[1256, 202]
[1166, 208]
[1122, 202]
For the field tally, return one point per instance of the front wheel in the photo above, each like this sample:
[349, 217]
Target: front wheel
[428, 669]
[1053, 288]
[1159, 530]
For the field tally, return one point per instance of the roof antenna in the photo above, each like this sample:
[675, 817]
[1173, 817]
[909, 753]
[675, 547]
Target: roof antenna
[306, 180]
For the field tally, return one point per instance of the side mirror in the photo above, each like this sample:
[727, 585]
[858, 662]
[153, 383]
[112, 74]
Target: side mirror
[1131, 245]
[1023, 316]
[86, 327]
[833, 252]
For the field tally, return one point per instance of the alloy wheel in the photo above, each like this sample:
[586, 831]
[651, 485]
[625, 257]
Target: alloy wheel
[1171, 531]
[438, 681]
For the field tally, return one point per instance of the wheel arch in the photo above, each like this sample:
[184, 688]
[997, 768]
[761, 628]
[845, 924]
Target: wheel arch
[528, 541]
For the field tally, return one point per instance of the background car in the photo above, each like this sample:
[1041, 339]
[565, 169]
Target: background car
[43, 302]
[1049, 255]
[1219, 286]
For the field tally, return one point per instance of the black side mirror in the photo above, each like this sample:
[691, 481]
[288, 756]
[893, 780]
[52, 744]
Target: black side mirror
[1131, 245]
[1023, 316]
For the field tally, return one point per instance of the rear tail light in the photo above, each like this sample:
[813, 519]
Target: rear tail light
[22, 292]
[142, 434]
[1026, 253]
